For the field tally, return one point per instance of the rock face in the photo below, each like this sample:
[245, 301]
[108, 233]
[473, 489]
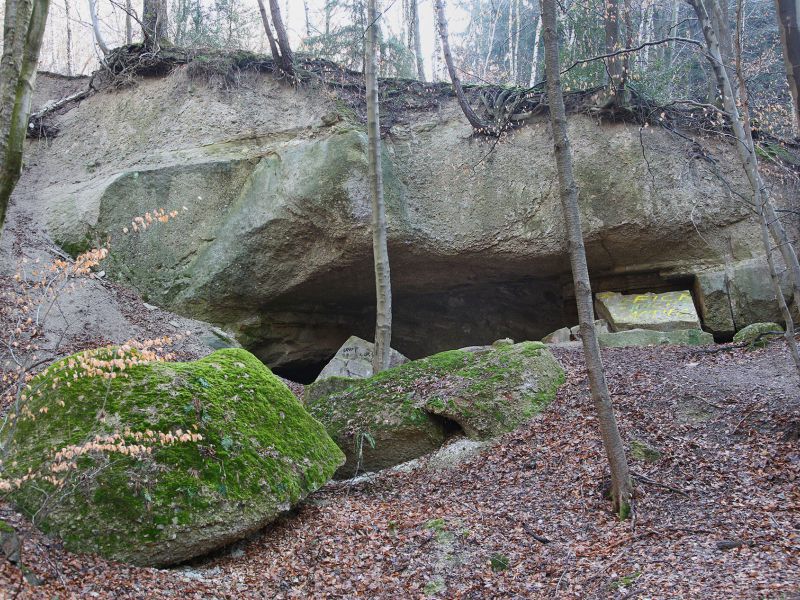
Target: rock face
[354, 359]
[650, 337]
[140, 485]
[408, 411]
[738, 295]
[275, 245]
[662, 312]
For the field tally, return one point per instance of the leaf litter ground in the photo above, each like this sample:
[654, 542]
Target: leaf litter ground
[717, 515]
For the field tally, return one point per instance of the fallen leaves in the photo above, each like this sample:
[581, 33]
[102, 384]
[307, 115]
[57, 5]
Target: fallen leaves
[735, 533]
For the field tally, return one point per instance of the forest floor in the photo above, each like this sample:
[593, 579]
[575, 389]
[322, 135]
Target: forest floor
[717, 515]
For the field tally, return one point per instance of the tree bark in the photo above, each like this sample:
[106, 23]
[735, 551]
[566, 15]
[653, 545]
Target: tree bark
[472, 117]
[621, 487]
[491, 42]
[380, 251]
[615, 64]
[789, 25]
[417, 40]
[746, 148]
[308, 18]
[273, 46]
[154, 23]
[535, 59]
[98, 36]
[68, 18]
[23, 32]
[287, 59]
[128, 22]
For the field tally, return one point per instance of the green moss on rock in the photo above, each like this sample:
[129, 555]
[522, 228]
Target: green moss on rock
[751, 333]
[260, 453]
[407, 409]
[642, 451]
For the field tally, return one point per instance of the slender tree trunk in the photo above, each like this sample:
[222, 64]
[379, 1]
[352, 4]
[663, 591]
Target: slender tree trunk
[535, 59]
[287, 59]
[308, 18]
[788, 334]
[510, 41]
[621, 487]
[472, 117]
[68, 16]
[669, 49]
[154, 23]
[789, 25]
[517, 29]
[98, 36]
[616, 64]
[23, 32]
[491, 42]
[328, 8]
[417, 40]
[128, 22]
[746, 150]
[273, 46]
[383, 285]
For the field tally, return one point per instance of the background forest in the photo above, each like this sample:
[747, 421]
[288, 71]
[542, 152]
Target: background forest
[495, 41]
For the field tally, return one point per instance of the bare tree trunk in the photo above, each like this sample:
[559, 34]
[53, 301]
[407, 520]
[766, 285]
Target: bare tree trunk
[621, 487]
[517, 29]
[154, 23]
[287, 59]
[23, 32]
[98, 36]
[789, 25]
[616, 64]
[788, 333]
[308, 18]
[669, 49]
[473, 118]
[491, 41]
[746, 149]
[380, 251]
[70, 68]
[535, 59]
[417, 40]
[273, 46]
[128, 22]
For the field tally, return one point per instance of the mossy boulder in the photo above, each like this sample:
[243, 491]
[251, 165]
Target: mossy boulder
[649, 337]
[643, 451]
[227, 449]
[409, 410]
[757, 334]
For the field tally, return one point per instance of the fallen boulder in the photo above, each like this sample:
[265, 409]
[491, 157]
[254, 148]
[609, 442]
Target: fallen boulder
[161, 462]
[559, 336]
[649, 337]
[354, 359]
[405, 412]
[661, 312]
[758, 334]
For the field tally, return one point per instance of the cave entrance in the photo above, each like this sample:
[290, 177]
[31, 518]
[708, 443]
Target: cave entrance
[303, 338]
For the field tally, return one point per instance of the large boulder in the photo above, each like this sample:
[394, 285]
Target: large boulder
[651, 337]
[354, 359]
[758, 334]
[408, 411]
[276, 246]
[737, 295]
[662, 312]
[164, 461]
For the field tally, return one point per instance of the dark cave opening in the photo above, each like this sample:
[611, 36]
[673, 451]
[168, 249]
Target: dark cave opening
[306, 338]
